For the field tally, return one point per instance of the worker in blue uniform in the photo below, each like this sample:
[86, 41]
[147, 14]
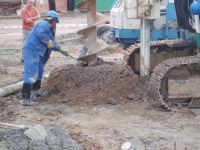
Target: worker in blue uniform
[39, 43]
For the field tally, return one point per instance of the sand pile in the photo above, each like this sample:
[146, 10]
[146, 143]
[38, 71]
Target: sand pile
[109, 83]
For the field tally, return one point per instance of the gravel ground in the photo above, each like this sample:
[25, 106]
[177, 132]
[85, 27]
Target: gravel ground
[56, 139]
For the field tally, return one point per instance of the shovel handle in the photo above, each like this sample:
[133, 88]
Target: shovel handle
[12, 125]
[67, 55]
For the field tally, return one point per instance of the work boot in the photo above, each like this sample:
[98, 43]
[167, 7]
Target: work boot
[36, 92]
[36, 86]
[22, 60]
[26, 93]
[29, 102]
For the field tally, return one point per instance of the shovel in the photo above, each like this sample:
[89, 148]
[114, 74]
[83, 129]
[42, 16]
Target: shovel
[83, 63]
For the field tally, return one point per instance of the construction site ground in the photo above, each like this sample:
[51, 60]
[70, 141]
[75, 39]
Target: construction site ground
[100, 106]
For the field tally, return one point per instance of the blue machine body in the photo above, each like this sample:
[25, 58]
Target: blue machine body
[195, 7]
[130, 36]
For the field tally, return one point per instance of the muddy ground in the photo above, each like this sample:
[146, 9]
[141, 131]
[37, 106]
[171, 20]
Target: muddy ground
[101, 106]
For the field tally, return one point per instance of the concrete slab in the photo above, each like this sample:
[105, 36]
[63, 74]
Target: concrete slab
[38, 132]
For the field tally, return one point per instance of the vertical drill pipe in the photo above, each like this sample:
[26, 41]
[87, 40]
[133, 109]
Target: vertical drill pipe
[90, 32]
[145, 48]
[197, 26]
[92, 37]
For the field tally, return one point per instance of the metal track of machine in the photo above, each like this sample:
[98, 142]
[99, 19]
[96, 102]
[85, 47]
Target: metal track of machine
[175, 78]
[181, 69]
[175, 83]
[160, 51]
[171, 59]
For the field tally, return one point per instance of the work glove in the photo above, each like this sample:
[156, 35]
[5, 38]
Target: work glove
[57, 47]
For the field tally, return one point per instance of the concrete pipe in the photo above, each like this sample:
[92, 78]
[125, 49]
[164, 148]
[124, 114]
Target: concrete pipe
[10, 89]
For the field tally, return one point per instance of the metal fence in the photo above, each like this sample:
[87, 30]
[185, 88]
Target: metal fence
[9, 7]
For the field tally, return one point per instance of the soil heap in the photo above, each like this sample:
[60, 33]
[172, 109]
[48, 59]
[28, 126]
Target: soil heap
[107, 83]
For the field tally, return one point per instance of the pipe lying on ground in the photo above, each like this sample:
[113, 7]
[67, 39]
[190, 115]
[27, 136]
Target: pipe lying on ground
[14, 88]
[11, 89]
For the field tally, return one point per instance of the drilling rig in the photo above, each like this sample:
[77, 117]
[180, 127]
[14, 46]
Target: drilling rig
[173, 66]
[90, 32]
[175, 83]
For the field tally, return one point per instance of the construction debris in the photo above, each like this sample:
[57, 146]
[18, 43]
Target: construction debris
[56, 138]
[38, 132]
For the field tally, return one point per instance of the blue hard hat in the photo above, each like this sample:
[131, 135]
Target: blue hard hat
[53, 14]
[195, 8]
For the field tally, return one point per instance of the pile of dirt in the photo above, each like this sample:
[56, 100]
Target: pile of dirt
[108, 83]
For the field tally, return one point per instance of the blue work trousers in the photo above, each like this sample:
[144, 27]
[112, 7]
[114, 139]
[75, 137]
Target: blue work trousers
[33, 66]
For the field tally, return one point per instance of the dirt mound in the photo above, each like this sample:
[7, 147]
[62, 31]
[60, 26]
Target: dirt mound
[108, 83]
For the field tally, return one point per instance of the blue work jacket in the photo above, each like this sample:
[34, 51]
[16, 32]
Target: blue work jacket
[38, 38]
